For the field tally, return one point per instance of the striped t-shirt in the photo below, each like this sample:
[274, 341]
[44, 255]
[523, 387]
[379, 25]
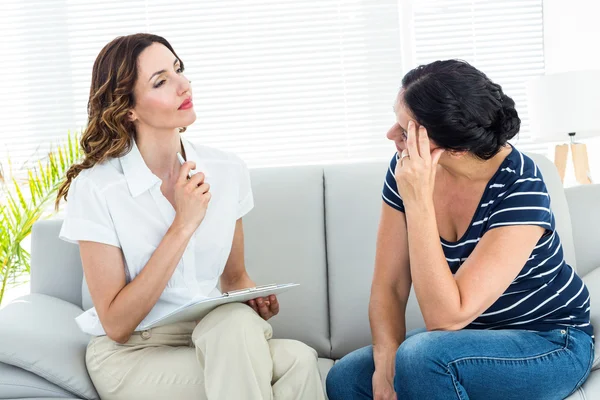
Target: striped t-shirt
[547, 294]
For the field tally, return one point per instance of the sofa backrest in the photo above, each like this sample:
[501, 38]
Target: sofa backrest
[284, 240]
[311, 225]
[559, 205]
[55, 265]
[584, 207]
[353, 205]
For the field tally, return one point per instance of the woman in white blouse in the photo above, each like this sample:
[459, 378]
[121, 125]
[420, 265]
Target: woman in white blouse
[151, 240]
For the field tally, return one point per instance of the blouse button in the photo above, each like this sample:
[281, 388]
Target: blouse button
[146, 335]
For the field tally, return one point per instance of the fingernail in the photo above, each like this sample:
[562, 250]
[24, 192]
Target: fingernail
[410, 124]
[259, 301]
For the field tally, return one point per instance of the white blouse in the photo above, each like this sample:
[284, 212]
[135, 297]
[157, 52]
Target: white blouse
[119, 203]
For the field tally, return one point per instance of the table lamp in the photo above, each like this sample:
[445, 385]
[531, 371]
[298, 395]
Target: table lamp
[565, 107]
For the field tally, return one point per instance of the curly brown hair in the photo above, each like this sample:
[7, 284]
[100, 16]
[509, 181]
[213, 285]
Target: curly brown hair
[109, 132]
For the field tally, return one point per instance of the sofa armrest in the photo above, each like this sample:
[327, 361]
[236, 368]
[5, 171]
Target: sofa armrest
[584, 207]
[592, 281]
[16, 383]
[39, 335]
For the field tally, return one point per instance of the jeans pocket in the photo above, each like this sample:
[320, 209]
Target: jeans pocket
[559, 337]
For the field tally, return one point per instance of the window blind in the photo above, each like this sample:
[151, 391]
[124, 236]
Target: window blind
[277, 82]
[502, 38]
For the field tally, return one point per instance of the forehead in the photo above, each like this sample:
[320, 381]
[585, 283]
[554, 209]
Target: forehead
[402, 113]
[154, 58]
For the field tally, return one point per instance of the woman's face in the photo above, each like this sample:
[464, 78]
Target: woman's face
[398, 133]
[162, 93]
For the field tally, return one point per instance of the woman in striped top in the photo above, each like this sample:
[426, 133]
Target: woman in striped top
[467, 219]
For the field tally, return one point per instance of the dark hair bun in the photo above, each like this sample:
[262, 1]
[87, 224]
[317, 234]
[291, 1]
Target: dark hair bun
[510, 122]
[461, 107]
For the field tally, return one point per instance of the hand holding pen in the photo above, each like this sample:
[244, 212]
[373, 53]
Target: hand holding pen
[192, 172]
[192, 196]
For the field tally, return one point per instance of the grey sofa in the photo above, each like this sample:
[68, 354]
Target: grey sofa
[312, 225]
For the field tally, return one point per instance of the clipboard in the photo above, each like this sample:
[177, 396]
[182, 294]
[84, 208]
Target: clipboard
[197, 310]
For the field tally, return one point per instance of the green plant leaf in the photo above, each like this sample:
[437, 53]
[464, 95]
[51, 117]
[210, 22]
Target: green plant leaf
[15, 215]
[19, 194]
[19, 213]
[38, 182]
[32, 187]
[61, 158]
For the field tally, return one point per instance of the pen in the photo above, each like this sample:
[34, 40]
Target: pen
[181, 161]
[249, 290]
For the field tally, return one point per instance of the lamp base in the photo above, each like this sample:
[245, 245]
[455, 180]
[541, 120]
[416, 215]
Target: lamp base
[580, 161]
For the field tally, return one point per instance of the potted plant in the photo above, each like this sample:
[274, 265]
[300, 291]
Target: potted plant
[24, 200]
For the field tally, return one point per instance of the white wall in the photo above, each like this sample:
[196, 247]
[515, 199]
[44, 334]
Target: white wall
[571, 35]
[572, 42]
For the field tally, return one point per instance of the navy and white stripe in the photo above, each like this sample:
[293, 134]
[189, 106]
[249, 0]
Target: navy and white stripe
[547, 294]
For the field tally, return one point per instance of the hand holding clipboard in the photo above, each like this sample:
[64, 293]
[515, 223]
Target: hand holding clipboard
[267, 306]
[197, 309]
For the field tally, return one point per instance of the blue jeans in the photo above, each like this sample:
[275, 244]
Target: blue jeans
[474, 364]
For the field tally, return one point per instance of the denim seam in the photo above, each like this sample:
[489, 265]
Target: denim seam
[587, 372]
[563, 348]
[514, 359]
[494, 359]
[455, 383]
[504, 358]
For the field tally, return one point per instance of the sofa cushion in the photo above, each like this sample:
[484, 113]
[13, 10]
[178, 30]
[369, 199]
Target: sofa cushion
[55, 264]
[590, 389]
[584, 208]
[39, 335]
[285, 242]
[352, 208]
[324, 365]
[16, 383]
[592, 281]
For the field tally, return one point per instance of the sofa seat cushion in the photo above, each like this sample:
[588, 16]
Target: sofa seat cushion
[16, 383]
[589, 390]
[39, 335]
[325, 365]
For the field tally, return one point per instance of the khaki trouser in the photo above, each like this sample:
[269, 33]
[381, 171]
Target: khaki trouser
[228, 355]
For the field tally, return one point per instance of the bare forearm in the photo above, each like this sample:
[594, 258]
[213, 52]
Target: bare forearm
[386, 316]
[133, 303]
[435, 286]
[235, 282]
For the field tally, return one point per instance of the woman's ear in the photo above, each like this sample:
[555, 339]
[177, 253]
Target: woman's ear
[131, 116]
[456, 154]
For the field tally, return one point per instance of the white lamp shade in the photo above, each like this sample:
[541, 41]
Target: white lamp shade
[562, 103]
